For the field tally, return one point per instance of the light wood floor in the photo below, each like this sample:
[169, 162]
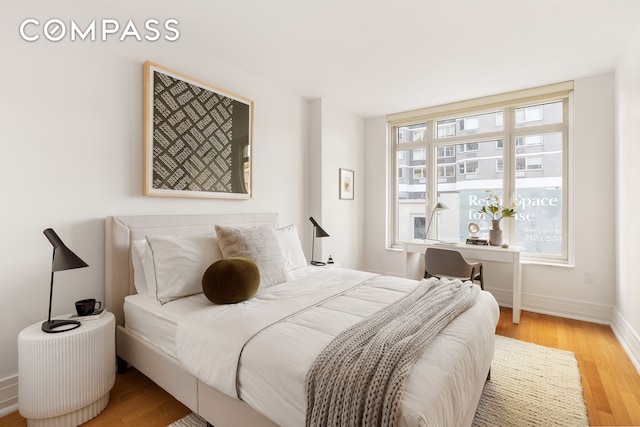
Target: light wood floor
[610, 382]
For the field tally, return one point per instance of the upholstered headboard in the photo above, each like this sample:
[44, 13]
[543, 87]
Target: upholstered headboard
[121, 231]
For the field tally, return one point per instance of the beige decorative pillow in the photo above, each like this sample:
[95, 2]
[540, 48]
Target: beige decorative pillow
[258, 243]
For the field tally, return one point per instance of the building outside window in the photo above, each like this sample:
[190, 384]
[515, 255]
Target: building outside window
[518, 151]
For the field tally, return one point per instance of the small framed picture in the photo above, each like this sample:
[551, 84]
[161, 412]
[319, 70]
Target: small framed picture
[346, 184]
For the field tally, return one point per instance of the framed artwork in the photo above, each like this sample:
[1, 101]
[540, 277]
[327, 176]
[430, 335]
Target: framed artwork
[346, 184]
[197, 138]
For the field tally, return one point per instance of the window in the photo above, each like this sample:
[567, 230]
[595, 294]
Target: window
[518, 150]
[528, 163]
[534, 162]
[529, 114]
[446, 171]
[411, 133]
[468, 147]
[468, 166]
[446, 128]
[522, 141]
[420, 154]
[419, 227]
[468, 123]
[446, 151]
[541, 114]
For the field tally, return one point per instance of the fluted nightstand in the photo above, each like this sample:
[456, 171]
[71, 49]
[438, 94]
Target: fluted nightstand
[64, 378]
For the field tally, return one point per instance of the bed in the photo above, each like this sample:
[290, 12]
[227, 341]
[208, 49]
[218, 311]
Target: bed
[442, 388]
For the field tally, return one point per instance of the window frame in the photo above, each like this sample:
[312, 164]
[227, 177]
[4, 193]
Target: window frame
[507, 104]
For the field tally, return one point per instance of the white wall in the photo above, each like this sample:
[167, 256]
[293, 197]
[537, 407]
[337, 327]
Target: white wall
[71, 140]
[549, 289]
[337, 141]
[627, 316]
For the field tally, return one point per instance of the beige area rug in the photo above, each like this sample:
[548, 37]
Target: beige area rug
[530, 385]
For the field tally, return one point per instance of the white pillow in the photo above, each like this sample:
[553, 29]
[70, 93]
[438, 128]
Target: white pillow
[138, 250]
[291, 247]
[258, 243]
[149, 270]
[179, 263]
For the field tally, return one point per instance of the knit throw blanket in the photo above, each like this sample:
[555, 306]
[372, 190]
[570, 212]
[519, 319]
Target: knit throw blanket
[358, 379]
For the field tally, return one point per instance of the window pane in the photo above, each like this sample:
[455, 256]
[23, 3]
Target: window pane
[411, 133]
[464, 191]
[541, 114]
[411, 190]
[488, 122]
[539, 191]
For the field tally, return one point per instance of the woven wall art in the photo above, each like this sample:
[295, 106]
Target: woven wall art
[198, 138]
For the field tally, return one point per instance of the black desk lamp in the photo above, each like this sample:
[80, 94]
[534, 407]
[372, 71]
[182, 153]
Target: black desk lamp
[317, 232]
[63, 259]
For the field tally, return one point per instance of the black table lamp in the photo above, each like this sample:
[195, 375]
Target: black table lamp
[63, 259]
[317, 232]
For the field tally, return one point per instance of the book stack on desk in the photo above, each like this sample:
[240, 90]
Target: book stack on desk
[476, 241]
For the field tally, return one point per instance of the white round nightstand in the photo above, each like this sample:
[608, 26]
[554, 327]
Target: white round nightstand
[64, 378]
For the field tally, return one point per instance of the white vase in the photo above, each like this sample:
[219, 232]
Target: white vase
[495, 233]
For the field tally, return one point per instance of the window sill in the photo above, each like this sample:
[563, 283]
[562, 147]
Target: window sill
[547, 263]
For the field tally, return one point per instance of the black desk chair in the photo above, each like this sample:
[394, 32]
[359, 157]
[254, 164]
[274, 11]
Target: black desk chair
[450, 263]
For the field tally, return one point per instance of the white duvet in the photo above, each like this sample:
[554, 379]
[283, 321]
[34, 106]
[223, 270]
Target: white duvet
[246, 350]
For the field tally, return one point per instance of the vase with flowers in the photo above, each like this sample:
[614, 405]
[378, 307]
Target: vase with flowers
[496, 210]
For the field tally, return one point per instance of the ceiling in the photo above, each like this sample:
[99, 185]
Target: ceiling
[377, 57]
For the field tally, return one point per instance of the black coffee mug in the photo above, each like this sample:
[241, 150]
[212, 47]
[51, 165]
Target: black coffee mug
[85, 307]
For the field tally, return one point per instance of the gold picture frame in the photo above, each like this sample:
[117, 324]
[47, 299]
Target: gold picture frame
[198, 139]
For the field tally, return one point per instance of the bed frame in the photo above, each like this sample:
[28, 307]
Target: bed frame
[217, 408]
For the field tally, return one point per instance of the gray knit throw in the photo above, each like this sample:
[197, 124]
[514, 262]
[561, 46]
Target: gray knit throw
[358, 379]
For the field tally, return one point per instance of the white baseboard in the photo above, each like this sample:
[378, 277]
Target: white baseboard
[8, 395]
[568, 308]
[628, 338]
[561, 307]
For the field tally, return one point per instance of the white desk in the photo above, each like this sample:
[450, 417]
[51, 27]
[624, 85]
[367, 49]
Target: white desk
[511, 255]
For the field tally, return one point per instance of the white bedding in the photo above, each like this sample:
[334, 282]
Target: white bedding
[157, 323]
[274, 363]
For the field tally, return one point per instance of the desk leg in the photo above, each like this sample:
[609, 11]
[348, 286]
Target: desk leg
[517, 289]
[412, 266]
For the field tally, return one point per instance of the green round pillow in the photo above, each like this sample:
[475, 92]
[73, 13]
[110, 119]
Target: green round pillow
[231, 280]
